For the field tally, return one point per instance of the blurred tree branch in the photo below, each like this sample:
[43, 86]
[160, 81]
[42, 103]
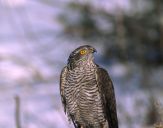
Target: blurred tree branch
[160, 16]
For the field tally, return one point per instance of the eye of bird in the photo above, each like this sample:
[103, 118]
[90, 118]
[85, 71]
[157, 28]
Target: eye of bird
[82, 52]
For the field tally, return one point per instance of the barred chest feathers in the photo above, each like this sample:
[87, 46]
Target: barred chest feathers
[82, 95]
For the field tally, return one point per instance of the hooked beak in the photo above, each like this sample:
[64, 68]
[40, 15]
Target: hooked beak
[92, 50]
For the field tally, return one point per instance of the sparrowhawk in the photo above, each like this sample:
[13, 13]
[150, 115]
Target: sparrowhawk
[87, 92]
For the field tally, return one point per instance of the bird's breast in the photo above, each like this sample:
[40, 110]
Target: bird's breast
[82, 95]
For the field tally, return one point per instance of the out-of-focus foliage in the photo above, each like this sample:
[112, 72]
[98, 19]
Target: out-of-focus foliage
[154, 112]
[135, 35]
[159, 126]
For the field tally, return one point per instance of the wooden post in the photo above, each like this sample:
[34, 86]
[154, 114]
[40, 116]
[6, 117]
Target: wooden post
[17, 112]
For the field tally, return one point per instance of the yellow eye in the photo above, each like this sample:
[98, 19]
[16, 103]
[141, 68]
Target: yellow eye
[82, 52]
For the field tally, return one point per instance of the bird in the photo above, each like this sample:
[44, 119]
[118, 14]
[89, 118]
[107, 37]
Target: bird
[87, 92]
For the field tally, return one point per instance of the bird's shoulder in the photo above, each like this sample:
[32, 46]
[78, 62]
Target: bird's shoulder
[102, 73]
[64, 70]
[107, 89]
[62, 86]
[63, 77]
[104, 83]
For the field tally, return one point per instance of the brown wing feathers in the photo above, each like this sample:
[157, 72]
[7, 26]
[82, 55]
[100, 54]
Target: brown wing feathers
[108, 97]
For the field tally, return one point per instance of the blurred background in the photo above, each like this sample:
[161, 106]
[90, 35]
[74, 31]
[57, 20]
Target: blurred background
[37, 36]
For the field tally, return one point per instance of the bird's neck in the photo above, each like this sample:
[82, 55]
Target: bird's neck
[89, 64]
[82, 64]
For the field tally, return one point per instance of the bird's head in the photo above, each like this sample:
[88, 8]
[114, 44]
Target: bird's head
[81, 55]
